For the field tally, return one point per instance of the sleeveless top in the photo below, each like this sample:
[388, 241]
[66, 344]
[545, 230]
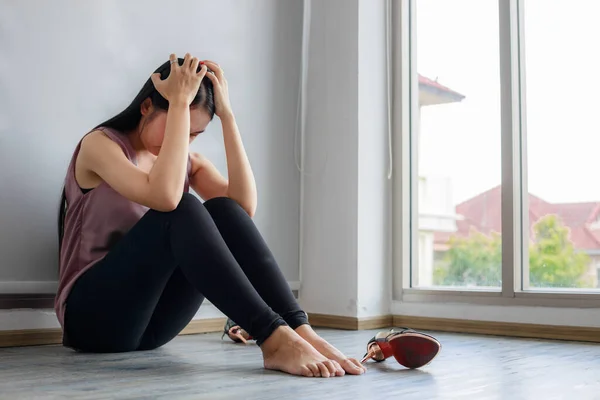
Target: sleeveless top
[94, 221]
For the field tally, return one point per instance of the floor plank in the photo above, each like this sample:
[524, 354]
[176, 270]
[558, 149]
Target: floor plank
[204, 367]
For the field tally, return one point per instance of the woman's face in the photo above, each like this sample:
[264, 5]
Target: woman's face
[155, 121]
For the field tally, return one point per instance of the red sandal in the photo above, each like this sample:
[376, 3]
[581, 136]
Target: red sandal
[410, 348]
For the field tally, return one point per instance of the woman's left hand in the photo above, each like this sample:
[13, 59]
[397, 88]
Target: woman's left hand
[221, 89]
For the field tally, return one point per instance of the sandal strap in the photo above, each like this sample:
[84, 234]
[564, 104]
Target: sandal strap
[408, 330]
[400, 330]
[395, 331]
[229, 324]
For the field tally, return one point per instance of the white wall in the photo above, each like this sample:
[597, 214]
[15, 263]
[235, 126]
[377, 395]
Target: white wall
[329, 276]
[345, 252]
[374, 226]
[66, 65]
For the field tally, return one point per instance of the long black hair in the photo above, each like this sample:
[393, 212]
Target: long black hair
[128, 120]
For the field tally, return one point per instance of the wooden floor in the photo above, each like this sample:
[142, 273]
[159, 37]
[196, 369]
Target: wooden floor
[204, 367]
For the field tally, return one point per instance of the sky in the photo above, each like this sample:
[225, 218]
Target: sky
[457, 43]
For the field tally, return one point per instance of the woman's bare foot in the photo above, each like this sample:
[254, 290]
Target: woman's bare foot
[286, 351]
[350, 365]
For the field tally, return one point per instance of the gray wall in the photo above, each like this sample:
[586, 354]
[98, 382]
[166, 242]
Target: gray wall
[66, 65]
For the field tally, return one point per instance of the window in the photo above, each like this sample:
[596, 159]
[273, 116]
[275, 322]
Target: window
[562, 135]
[457, 133]
[502, 102]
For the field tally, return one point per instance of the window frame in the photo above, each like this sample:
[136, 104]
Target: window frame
[515, 272]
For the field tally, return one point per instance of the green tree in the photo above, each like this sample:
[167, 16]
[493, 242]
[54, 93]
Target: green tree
[472, 261]
[553, 260]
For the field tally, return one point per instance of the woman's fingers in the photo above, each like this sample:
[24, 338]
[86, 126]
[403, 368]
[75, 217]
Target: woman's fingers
[213, 78]
[214, 64]
[216, 68]
[155, 78]
[202, 71]
[187, 60]
[174, 63]
[194, 64]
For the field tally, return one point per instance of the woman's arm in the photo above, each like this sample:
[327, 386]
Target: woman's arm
[206, 180]
[162, 187]
[241, 186]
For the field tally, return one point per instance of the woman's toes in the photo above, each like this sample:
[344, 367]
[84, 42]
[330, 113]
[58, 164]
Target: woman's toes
[358, 365]
[314, 369]
[324, 370]
[339, 371]
[331, 366]
[352, 367]
[306, 372]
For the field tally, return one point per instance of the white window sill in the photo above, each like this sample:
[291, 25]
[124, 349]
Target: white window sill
[516, 311]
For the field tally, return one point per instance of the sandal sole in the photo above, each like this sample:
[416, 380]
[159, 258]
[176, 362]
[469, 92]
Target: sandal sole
[413, 350]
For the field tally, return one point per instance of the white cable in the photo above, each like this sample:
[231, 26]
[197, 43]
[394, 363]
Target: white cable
[300, 128]
[388, 67]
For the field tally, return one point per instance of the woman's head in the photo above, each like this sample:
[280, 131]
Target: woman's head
[146, 116]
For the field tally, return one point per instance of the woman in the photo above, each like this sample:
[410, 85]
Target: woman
[138, 254]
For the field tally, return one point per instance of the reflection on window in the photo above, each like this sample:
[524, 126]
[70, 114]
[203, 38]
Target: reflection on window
[457, 131]
[562, 138]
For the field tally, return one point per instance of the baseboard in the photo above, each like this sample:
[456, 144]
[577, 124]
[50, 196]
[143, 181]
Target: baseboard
[26, 301]
[208, 325]
[30, 337]
[382, 321]
[571, 333]
[349, 323]
[49, 336]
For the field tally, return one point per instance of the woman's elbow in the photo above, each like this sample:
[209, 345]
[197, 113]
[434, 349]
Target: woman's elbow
[167, 203]
[250, 206]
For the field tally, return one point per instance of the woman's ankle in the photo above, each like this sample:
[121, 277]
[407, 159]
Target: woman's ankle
[305, 330]
[282, 335]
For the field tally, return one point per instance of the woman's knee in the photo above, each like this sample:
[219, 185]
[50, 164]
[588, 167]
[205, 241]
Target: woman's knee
[222, 203]
[190, 210]
[188, 201]
[188, 206]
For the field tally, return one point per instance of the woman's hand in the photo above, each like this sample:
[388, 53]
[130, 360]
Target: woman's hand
[183, 82]
[221, 89]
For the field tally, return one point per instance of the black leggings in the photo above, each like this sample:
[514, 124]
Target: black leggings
[152, 282]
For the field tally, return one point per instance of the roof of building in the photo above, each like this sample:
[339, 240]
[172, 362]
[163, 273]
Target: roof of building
[443, 93]
[483, 213]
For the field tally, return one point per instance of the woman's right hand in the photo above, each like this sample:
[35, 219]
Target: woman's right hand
[183, 82]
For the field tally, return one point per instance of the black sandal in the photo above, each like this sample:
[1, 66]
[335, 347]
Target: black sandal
[235, 332]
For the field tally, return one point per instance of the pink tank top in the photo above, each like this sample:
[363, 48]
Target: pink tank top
[94, 221]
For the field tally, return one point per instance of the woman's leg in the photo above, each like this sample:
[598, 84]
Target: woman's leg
[128, 320]
[177, 306]
[256, 260]
[112, 305]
